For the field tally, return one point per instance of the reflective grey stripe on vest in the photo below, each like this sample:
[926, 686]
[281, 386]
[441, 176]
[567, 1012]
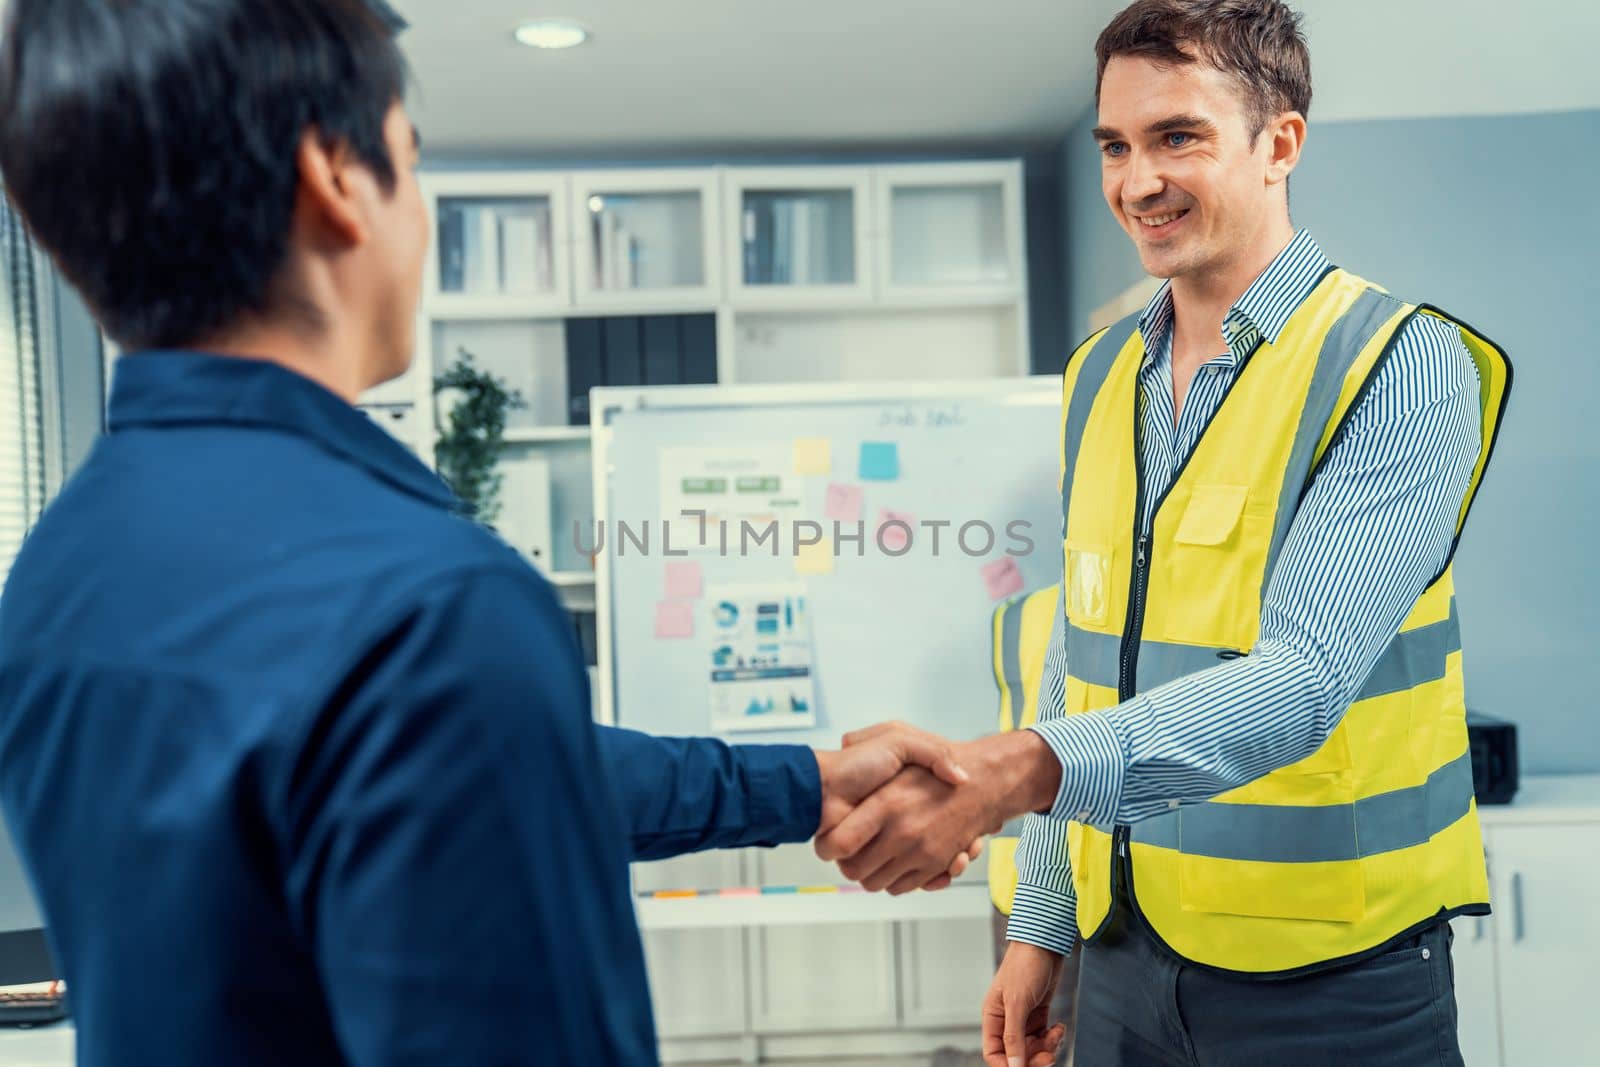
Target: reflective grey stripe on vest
[1412, 658]
[1274, 833]
[1096, 368]
[1340, 349]
[1011, 657]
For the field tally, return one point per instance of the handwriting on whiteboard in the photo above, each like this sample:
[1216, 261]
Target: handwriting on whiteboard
[933, 417]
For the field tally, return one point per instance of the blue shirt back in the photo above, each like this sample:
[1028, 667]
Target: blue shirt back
[299, 759]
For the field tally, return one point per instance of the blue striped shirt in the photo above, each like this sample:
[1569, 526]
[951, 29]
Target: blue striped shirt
[1375, 527]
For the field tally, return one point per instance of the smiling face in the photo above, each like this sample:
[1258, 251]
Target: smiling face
[1180, 172]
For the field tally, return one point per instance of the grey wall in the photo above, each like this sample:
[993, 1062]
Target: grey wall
[1490, 218]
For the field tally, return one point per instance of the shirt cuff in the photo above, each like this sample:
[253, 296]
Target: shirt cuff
[1093, 764]
[784, 787]
[1043, 917]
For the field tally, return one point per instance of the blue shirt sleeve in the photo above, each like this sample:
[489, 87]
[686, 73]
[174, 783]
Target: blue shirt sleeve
[454, 856]
[685, 794]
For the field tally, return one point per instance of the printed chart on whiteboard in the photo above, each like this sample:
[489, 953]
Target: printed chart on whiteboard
[761, 658]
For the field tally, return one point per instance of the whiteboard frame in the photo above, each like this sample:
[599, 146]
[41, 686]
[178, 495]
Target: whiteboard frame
[607, 402]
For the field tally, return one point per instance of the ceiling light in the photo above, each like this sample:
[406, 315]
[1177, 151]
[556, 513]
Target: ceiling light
[551, 33]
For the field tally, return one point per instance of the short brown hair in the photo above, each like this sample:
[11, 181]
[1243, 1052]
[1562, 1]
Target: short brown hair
[1257, 41]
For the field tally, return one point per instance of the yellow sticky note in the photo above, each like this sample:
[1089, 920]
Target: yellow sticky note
[815, 559]
[813, 455]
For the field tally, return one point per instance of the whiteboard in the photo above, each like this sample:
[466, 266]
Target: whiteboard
[894, 636]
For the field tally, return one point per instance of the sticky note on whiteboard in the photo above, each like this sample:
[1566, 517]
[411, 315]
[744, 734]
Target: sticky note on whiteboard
[674, 619]
[813, 455]
[814, 559]
[683, 580]
[843, 503]
[1002, 578]
[894, 531]
[880, 461]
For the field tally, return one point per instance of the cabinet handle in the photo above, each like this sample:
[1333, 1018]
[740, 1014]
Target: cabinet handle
[1516, 907]
[1477, 929]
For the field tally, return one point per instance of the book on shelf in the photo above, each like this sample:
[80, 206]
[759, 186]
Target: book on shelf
[452, 251]
[782, 242]
[802, 220]
[480, 249]
[519, 246]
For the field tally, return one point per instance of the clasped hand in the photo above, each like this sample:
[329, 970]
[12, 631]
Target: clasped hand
[905, 809]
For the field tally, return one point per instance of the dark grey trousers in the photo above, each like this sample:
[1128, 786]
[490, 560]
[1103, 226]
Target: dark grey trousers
[1140, 1007]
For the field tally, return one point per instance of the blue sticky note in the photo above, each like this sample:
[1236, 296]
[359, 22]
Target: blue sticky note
[880, 461]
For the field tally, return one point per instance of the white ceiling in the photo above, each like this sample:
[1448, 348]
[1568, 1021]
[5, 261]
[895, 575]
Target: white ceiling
[680, 76]
[665, 77]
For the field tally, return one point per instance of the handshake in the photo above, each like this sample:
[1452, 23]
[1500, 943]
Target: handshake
[904, 809]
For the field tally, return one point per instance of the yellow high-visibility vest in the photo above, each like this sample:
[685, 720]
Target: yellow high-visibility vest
[1020, 632]
[1376, 832]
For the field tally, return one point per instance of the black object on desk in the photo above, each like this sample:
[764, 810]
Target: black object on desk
[1493, 744]
[34, 1007]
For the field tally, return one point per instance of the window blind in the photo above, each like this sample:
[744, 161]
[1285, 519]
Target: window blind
[24, 339]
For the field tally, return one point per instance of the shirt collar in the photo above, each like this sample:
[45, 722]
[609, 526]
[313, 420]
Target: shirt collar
[1261, 312]
[152, 389]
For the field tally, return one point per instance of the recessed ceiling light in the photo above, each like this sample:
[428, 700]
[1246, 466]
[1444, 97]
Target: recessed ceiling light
[551, 33]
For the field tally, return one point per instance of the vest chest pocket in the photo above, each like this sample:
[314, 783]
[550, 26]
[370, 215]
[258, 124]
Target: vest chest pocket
[1207, 562]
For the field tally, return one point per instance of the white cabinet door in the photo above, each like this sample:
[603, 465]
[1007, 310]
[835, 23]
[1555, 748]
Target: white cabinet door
[945, 969]
[500, 247]
[949, 233]
[697, 978]
[811, 979]
[1547, 931]
[798, 237]
[1472, 955]
[646, 239]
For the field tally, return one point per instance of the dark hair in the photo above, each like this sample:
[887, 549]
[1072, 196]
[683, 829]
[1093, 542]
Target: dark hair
[1256, 41]
[150, 144]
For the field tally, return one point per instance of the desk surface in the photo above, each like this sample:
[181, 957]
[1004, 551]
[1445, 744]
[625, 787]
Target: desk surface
[46, 1046]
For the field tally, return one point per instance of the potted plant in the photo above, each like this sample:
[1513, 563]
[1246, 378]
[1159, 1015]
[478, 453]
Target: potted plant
[471, 406]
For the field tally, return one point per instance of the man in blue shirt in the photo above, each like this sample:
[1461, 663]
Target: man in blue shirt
[297, 756]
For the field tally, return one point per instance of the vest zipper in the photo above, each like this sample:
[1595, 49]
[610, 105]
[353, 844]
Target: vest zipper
[1133, 627]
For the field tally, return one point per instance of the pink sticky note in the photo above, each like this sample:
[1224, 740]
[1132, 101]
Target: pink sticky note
[894, 530]
[675, 619]
[844, 503]
[683, 580]
[1002, 578]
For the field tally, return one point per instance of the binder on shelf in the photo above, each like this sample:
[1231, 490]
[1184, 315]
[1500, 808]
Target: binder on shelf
[782, 242]
[451, 251]
[802, 220]
[519, 245]
[620, 344]
[489, 223]
[698, 341]
[748, 221]
[544, 243]
[525, 519]
[662, 360]
[584, 367]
